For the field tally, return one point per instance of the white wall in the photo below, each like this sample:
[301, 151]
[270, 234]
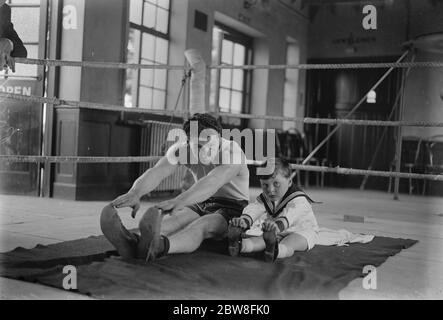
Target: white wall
[334, 31]
[270, 28]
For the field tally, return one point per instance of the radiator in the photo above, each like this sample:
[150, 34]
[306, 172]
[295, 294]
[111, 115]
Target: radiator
[153, 139]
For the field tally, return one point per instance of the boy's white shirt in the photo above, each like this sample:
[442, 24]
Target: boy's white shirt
[298, 212]
[296, 216]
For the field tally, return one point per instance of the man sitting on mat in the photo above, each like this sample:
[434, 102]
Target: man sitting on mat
[179, 225]
[281, 220]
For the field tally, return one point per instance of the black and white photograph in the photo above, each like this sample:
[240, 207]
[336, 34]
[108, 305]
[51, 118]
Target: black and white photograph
[221, 156]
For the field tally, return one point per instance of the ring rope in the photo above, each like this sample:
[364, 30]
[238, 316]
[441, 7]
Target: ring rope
[334, 66]
[95, 64]
[338, 170]
[361, 172]
[323, 66]
[67, 159]
[60, 103]
[336, 121]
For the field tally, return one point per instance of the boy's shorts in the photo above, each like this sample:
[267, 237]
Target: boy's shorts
[228, 208]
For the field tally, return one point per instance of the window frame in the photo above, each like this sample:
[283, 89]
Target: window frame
[156, 34]
[235, 36]
[35, 76]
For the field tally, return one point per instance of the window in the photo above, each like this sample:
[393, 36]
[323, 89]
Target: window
[230, 87]
[148, 43]
[25, 17]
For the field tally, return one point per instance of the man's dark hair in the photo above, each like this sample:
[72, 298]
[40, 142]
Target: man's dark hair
[280, 166]
[204, 121]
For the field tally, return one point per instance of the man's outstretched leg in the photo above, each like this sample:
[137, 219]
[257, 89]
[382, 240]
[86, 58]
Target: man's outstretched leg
[187, 240]
[112, 227]
[177, 220]
[210, 226]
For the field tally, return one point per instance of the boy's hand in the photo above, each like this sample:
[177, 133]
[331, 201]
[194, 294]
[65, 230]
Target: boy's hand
[269, 225]
[239, 222]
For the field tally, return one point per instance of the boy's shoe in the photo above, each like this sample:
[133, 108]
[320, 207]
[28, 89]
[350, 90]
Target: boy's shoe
[150, 244]
[271, 249]
[234, 240]
[112, 227]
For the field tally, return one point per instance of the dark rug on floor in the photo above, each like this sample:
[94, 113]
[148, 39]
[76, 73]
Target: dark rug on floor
[208, 273]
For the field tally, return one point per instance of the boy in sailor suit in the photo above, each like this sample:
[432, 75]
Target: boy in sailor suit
[280, 221]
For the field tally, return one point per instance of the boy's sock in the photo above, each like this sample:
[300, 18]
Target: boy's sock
[234, 240]
[272, 246]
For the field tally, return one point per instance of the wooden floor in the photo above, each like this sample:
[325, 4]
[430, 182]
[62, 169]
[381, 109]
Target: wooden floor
[415, 273]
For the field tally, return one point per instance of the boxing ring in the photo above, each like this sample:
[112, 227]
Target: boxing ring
[97, 259]
[199, 74]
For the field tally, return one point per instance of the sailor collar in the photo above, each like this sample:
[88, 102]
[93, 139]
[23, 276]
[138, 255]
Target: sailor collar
[292, 193]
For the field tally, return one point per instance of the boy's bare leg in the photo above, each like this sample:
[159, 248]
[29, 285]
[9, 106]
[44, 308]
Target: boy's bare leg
[253, 244]
[291, 243]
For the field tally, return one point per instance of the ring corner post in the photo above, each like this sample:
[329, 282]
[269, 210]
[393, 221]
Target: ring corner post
[399, 141]
[197, 95]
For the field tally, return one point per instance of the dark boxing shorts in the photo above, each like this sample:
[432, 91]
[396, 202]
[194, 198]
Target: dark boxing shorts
[228, 208]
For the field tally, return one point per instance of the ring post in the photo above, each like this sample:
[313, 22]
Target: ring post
[398, 147]
[197, 95]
